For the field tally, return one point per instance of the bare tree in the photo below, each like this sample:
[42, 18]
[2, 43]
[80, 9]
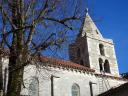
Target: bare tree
[28, 27]
[1, 78]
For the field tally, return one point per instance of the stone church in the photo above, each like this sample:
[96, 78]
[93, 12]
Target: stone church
[92, 69]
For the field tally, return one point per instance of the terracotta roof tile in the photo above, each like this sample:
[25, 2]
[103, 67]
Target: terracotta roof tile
[66, 64]
[71, 65]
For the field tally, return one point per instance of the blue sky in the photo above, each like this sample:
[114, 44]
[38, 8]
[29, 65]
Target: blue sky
[111, 17]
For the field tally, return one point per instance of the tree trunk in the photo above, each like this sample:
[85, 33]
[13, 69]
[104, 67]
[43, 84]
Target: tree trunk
[14, 84]
[16, 58]
[1, 78]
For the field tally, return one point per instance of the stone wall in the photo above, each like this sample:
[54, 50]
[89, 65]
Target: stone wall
[86, 48]
[94, 54]
[64, 79]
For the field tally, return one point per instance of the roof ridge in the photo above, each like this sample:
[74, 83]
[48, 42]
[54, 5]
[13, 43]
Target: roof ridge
[64, 63]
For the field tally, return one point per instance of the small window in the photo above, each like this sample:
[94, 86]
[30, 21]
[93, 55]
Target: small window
[75, 90]
[100, 64]
[81, 62]
[78, 52]
[101, 48]
[106, 66]
[97, 32]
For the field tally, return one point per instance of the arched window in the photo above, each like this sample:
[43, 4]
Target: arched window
[100, 64]
[106, 66]
[78, 52]
[101, 47]
[34, 87]
[75, 90]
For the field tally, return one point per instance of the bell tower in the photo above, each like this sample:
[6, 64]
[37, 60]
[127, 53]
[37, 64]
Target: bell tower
[92, 50]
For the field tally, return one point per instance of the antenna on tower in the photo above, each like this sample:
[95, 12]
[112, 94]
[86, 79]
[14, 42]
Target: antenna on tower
[87, 9]
[87, 5]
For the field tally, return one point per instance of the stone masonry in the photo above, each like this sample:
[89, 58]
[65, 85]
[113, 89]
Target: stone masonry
[86, 51]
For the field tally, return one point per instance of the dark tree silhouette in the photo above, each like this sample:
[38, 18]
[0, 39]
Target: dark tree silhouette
[125, 75]
[28, 27]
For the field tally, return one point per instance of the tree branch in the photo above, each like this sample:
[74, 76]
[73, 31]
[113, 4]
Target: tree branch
[5, 15]
[30, 36]
[63, 21]
[35, 22]
[43, 45]
[4, 35]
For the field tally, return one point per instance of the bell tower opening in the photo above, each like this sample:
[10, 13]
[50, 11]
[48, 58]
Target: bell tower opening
[101, 48]
[101, 64]
[78, 52]
[107, 67]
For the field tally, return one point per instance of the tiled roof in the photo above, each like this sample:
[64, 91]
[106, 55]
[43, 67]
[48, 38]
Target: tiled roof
[71, 65]
[66, 64]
